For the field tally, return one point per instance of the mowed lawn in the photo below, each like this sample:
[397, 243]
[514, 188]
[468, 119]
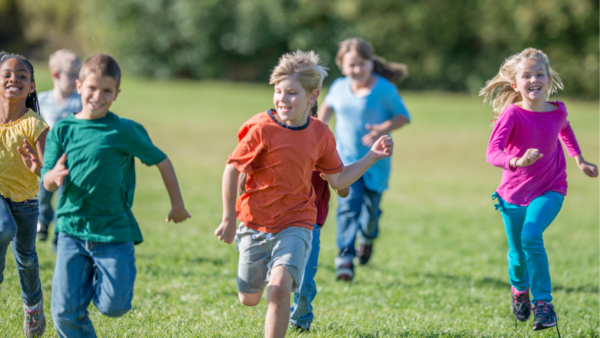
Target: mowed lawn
[439, 267]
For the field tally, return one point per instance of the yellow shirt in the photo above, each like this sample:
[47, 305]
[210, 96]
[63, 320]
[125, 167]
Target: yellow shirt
[17, 182]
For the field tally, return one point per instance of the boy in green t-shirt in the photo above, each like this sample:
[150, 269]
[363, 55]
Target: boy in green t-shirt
[91, 155]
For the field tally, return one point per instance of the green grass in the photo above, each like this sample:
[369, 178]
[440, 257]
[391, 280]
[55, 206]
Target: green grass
[439, 267]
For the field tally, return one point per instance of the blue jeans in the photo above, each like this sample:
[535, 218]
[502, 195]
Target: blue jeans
[357, 214]
[46, 210]
[18, 223]
[301, 313]
[527, 259]
[88, 271]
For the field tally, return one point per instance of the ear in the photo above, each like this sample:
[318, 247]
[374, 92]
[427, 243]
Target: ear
[32, 88]
[314, 95]
[55, 75]
[117, 94]
[514, 86]
[78, 85]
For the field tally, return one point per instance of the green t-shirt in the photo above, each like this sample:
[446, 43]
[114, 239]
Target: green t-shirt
[97, 196]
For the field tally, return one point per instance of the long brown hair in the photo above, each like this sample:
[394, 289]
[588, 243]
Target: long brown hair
[498, 91]
[392, 71]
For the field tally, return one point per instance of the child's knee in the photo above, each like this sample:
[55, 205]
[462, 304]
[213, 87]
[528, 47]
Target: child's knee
[531, 240]
[112, 308]
[249, 299]
[277, 293]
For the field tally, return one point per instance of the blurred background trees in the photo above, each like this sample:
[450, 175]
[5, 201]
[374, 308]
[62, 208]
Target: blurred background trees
[447, 45]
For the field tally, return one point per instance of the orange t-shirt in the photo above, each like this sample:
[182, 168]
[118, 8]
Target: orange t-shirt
[279, 161]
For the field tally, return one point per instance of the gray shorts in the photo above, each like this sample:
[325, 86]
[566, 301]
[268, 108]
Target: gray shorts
[260, 252]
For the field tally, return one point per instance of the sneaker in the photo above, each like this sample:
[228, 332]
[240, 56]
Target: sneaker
[364, 253]
[544, 316]
[42, 232]
[299, 328]
[345, 272]
[521, 304]
[34, 323]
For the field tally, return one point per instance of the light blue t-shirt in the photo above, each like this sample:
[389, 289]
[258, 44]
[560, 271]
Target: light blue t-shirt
[352, 113]
[53, 111]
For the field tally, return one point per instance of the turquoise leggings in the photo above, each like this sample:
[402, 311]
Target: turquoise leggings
[527, 259]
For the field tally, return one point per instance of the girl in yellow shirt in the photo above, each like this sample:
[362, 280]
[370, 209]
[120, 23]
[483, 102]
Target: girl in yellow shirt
[22, 140]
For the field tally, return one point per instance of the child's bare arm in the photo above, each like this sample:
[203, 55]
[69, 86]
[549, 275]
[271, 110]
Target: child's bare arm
[226, 230]
[381, 149]
[378, 130]
[178, 212]
[33, 159]
[587, 168]
[343, 193]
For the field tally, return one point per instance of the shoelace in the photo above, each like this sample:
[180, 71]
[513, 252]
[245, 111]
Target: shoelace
[32, 317]
[520, 298]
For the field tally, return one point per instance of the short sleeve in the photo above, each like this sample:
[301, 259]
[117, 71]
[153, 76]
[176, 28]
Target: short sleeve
[139, 145]
[250, 145]
[395, 104]
[38, 126]
[329, 162]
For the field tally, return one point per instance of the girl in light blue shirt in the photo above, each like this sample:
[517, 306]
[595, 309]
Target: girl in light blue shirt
[368, 106]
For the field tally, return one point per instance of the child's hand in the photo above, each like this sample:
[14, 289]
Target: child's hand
[587, 168]
[30, 158]
[383, 147]
[226, 231]
[530, 156]
[178, 214]
[375, 132]
[56, 175]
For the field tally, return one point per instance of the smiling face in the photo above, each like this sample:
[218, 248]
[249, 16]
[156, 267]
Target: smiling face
[532, 80]
[292, 102]
[356, 67]
[97, 94]
[16, 81]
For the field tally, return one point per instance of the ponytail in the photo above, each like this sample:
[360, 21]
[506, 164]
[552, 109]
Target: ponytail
[32, 99]
[391, 71]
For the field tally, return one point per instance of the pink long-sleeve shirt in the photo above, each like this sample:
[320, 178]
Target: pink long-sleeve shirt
[516, 131]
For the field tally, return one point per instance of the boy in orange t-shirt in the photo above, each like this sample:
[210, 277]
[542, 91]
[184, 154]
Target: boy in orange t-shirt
[278, 150]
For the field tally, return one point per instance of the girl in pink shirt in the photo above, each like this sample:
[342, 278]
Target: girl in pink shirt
[525, 143]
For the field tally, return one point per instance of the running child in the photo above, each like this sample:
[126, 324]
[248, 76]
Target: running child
[22, 140]
[525, 143]
[367, 106]
[278, 150]
[301, 315]
[91, 155]
[55, 105]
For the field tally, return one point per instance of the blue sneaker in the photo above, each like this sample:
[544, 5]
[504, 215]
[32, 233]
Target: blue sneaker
[544, 316]
[521, 304]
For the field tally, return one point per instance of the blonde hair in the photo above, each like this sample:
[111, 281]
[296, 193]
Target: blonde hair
[498, 91]
[304, 65]
[392, 71]
[62, 59]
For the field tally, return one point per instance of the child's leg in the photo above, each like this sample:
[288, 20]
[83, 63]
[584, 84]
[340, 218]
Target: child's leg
[278, 297]
[26, 215]
[301, 312]
[46, 211]
[72, 288]
[513, 217]
[8, 229]
[540, 213]
[348, 224]
[114, 276]
[369, 218]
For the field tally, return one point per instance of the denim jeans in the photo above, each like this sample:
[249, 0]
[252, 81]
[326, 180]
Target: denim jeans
[357, 214]
[301, 313]
[46, 210]
[527, 259]
[18, 223]
[88, 271]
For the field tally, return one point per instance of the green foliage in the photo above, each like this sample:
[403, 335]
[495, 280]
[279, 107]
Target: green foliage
[447, 45]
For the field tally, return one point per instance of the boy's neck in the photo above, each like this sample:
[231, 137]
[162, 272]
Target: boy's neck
[86, 114]
[59, 96]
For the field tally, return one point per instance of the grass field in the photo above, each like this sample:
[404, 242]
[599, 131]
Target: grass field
[439, 267]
